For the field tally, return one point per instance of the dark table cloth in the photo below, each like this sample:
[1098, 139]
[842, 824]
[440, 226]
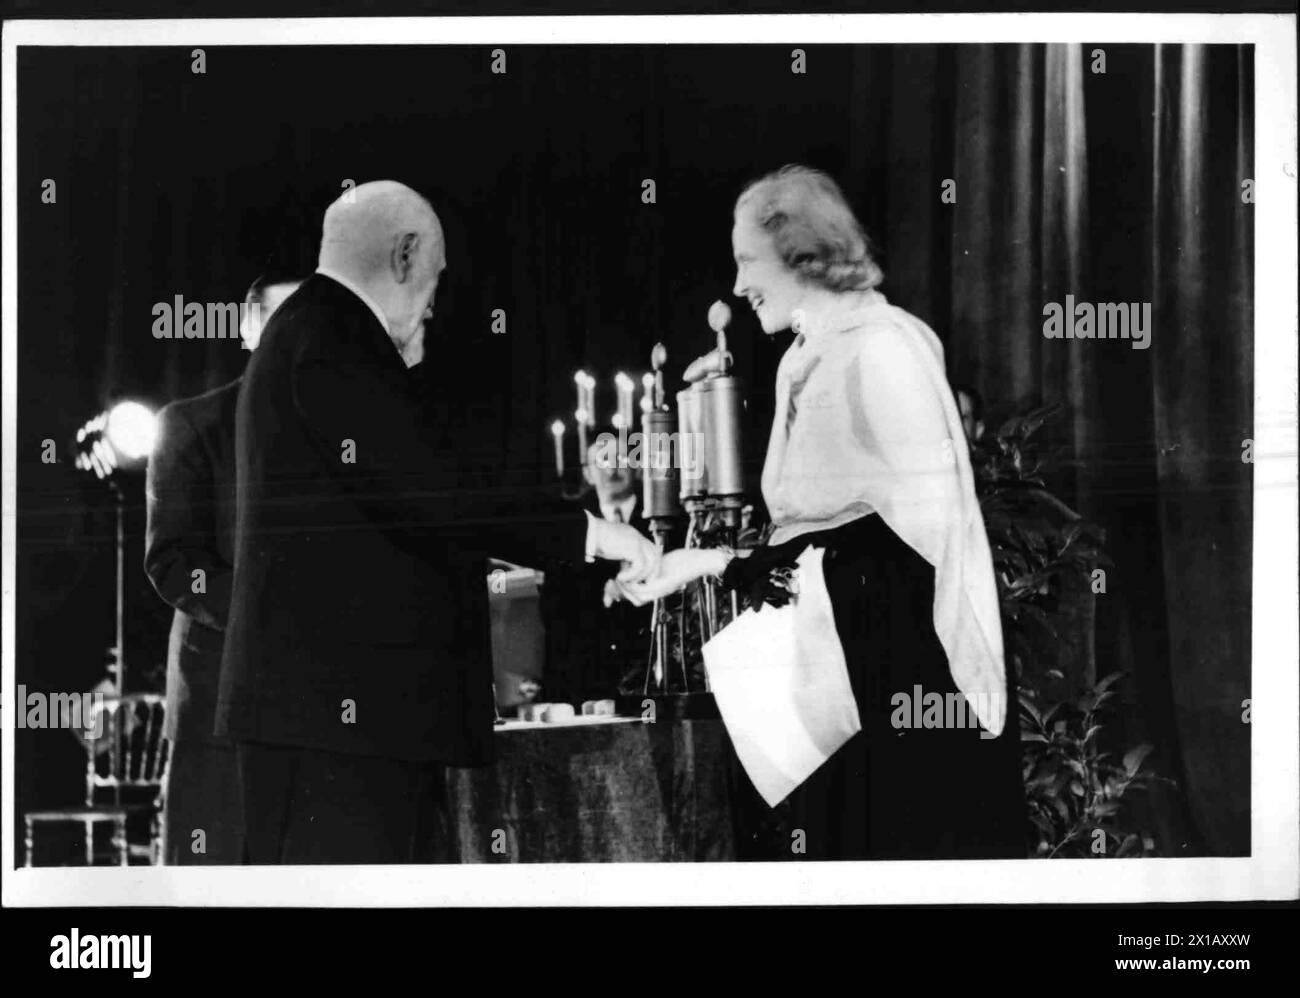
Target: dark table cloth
[627, 791]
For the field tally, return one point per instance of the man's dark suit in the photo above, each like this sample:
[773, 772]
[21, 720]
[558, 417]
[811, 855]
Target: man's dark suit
[190, 496]
[357, 658]
[592, 651]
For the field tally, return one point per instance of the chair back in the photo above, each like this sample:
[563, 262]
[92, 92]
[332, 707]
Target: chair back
[131, 750]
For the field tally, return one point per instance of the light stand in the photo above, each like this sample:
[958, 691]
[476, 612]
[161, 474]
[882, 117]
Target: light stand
[116, 440]
[117, 667]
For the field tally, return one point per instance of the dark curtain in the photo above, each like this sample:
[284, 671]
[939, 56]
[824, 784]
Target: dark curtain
[1115, 186]
[1202, 400]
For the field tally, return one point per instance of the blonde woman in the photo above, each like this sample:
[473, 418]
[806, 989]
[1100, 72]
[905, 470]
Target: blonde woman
[867, 460]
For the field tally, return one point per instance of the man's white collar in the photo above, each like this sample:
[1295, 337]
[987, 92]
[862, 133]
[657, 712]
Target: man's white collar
[627, 507]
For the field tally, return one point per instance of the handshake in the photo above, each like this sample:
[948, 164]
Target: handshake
[649, 574]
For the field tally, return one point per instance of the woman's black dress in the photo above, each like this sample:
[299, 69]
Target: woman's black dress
[893, 792]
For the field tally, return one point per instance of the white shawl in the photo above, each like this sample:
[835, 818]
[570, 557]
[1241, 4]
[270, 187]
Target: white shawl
[876, 428]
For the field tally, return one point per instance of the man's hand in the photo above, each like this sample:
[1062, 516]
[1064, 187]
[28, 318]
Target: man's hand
[620, 542]
[676, 569]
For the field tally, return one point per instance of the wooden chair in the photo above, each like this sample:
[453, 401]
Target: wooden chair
[126, 777]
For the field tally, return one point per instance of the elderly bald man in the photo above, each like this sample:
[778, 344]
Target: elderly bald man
[357, 659]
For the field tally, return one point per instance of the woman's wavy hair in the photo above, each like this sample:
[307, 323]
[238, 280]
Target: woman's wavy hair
[813, 228]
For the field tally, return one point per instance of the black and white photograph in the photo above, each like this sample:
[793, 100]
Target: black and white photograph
[687, 460]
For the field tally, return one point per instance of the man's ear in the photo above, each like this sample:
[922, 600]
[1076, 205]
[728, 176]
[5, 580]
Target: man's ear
[405, 248]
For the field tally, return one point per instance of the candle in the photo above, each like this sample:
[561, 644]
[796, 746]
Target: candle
[648, 387]
[624, 385]
[557, 430]
[658, 358]
[580, 417]
[589, 406]
[580, 379]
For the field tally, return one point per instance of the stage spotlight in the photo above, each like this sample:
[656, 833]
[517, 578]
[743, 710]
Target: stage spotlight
[132, 428]
[119, 438]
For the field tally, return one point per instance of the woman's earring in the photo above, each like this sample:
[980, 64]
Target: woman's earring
[797, 321]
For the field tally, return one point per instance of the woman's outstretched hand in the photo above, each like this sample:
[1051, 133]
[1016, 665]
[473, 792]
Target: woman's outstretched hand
[767, 576]
[676, 569]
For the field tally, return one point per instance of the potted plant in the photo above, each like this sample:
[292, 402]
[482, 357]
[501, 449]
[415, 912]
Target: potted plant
[1046, 558]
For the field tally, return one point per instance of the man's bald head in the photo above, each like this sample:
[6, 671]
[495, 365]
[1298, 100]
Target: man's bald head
[387, 239]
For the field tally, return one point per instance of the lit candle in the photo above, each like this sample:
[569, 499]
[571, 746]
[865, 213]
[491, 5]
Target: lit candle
[557, 430]
[648, 387]
[624, 385]
[589, 405]
[580, 379]
[658, 358]
[580, 417]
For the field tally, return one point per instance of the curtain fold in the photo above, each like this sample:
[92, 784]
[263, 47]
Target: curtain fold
[1202, 364]
[1122, 185]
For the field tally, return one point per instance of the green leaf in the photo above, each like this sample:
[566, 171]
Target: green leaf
[1032, 710]
[1107, 682]
[1134, 757]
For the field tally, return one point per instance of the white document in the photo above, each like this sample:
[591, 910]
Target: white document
[782, 685]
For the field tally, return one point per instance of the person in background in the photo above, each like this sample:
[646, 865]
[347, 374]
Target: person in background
[596, 643]
[189, 554]
[616, 488]
[971, 408]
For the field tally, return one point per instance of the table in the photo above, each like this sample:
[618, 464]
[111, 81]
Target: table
[599, 790]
